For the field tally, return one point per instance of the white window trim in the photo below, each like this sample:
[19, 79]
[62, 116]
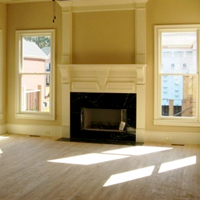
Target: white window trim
[165, 120]
[34, 115]
[1, 75]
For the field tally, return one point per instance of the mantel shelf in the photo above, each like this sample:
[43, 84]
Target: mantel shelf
[103, 77]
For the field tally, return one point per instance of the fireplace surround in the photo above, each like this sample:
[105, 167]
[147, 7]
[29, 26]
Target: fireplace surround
[115, 81]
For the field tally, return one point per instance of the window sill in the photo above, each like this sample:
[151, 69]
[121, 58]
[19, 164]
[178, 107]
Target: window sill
[35, 116]
[177, 122]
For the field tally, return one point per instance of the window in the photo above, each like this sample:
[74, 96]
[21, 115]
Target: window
[35, 74]
[1, 76]
[176, 75]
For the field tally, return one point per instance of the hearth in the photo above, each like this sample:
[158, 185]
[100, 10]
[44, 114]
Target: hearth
[103, 117]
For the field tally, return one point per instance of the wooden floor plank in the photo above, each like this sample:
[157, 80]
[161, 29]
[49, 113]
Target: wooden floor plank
[26, 172]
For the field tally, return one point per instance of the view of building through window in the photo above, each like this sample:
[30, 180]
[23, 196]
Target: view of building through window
[179, 74]
[35, 80]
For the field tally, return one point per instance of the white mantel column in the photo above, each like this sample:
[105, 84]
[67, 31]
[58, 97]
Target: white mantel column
[66, 58]
[140, 58]
[140, 34]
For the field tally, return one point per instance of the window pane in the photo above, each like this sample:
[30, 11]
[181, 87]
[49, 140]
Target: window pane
[35, 93]
[179, 95]
[36, 54]
[179, 53]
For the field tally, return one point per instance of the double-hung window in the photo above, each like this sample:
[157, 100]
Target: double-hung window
[176, 100]
[35, 93]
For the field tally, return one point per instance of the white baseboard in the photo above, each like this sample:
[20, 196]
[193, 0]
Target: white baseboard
[2, 129]
[172, 137]
[57, 131]
[41, 130]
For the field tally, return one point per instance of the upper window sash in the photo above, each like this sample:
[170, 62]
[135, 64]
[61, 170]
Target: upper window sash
[159, 73]
[21, 73]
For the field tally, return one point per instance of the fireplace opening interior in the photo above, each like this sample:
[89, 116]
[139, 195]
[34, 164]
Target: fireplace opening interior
[103, 119]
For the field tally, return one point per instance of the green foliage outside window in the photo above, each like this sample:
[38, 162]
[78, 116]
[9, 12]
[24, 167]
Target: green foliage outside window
[41, 41]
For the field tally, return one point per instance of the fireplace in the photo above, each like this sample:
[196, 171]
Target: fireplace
[115, 92]
[103, 117]
[104, 78]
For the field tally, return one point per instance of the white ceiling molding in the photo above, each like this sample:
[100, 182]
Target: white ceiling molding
[80, 2]
[100, 5]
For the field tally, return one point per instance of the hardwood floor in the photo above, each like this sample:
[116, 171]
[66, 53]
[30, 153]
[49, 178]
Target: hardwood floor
[39, 168]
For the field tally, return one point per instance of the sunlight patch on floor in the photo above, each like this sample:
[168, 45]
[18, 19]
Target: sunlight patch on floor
[129, 176]
[3, 137]
[138, 150]
[88, 159]
[168, 166]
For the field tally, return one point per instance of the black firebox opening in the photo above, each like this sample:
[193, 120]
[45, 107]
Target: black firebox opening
[103, 117]
[98, 119]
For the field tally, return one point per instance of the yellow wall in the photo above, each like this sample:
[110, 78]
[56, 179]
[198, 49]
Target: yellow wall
[103, 37]
[3, 28]
[100, 37]
[163, 12]
[26, 17]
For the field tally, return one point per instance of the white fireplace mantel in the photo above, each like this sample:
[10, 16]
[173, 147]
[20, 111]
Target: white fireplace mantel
[120, 78]
[104, 78]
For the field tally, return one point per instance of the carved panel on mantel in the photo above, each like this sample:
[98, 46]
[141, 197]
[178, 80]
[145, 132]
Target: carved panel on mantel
[103, 77]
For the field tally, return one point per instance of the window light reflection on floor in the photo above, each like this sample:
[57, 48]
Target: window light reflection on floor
[129, 176]
[138, 150]
[168, 166]
[88, 159]
[3, 137]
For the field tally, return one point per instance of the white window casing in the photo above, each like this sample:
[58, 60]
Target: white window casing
[20, 111]
[159, 118]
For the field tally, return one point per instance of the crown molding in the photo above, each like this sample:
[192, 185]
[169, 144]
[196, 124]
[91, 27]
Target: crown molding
[85, 5]
[100, 5]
